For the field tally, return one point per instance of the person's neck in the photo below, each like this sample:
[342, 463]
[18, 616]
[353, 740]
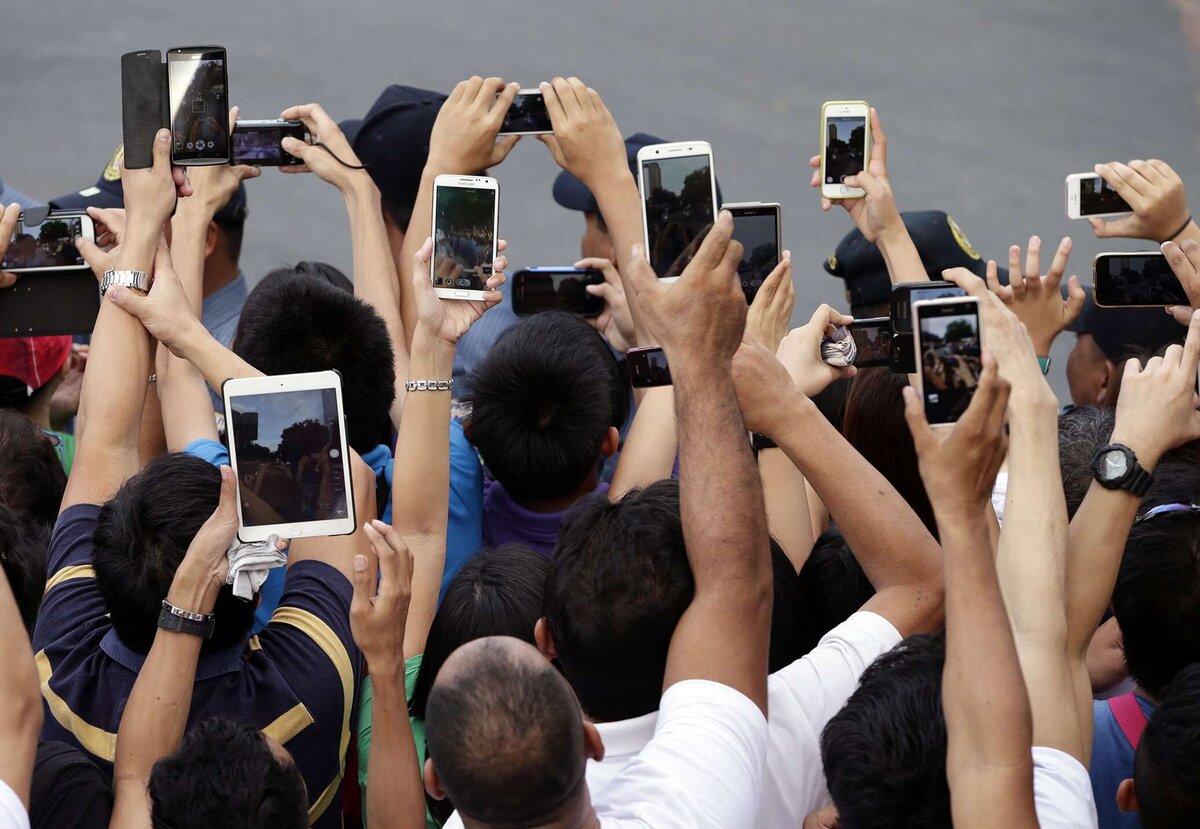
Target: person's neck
[578, 813]
[38, 408]
[218, 274]
[563, 501]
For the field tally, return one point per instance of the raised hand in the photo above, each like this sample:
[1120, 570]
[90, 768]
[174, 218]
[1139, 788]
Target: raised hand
[464, 137]
[875, 214]
[214, 185]
[1036, 299]
[1184, 259]
[164, 311]
[800, 352]
[615, 321]
[586, 142]
[767, 319]
[380, 606]
[8, 226]
[150, 193]
[449, 319]
[1154, 191]
[322, 160]
[205, 566]
[766, 393]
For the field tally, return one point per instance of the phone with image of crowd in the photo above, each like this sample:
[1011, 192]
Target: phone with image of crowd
[1141, 279]
[756, 226]
[679, 203]
[845, 146]
[947, 341]
[648, 367]
[535, 290]
[261, 142]
[873, 341]
[466, 210]
[527, 115]
[198, 90]
[1089, 195]
[48, 245]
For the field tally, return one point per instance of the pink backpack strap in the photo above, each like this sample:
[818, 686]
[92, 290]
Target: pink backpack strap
[1130, 717]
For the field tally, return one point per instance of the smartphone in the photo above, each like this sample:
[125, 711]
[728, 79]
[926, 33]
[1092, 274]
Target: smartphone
[556, 289]
[1089, 195]
[465, 213]
[261, 142]
[1132, 280]
[679, 202]
[946, 338]
[48, 245]
[756, 225]
[845, 146]
[648, 367]
[199, 94]
[907, 293]
[527, 115]
[287, 446]
[873, 339]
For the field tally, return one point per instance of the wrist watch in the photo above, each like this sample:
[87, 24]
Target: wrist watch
[1044, 364]
[760, 442]
[1115, 466]
[183, 621]
[129, 279]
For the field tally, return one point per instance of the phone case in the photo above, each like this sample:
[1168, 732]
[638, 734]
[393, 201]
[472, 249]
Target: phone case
[50, 304]
[144, 105]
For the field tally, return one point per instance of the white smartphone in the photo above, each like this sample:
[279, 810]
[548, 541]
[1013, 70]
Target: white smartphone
[845, 146]
[287, 446]
[527, 115]
[947, 340]
[465, 214]
[49, 245]
[1089, 195]
[679, 202]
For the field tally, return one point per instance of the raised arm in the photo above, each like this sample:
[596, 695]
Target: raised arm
[1155, 192]
[1035, 298]
[20, 698]
[724, 633]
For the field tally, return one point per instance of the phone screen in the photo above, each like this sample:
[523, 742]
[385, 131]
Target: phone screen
[263, 144]
[680, 209]
[873, 340]
[1097, 196]
[1136, 279]
[464, 233]
[199, 104]
[845, 147]
[648, 367]
[540, 290]
[757, 228]
[527, 113]
[949, 357]
[288, 447]
[48, 245]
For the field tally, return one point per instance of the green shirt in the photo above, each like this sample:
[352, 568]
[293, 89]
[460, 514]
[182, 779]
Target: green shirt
[412, 667]
[65, 448]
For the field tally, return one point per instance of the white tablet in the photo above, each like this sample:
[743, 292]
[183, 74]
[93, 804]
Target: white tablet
[287, 445]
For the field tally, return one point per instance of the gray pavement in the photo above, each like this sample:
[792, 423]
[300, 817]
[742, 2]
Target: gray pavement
[987, 105]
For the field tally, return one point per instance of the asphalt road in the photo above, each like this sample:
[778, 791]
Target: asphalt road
[987, 105]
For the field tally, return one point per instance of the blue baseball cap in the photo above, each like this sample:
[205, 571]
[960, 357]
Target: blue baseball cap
[573, 194]
[1121, 333]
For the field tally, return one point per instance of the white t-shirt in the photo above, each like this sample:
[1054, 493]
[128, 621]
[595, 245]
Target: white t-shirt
[1062, 791]
[12, 812]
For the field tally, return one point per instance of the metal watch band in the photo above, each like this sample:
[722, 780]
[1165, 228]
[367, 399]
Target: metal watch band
[129, 279]
[429, 385]
[184, 621]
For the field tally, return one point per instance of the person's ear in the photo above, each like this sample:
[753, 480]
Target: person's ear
[433, 784]
[210, 240]
[1127, 796]
[544, 639]
[466, 427]
[612, 443]
[1108, 382]
[593, 745]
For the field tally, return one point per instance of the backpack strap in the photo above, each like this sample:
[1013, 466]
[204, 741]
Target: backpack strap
[1130, 717]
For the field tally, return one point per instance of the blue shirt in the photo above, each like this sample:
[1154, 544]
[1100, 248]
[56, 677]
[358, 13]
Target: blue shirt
[298, 681]
[1112, 762]
[222, 309]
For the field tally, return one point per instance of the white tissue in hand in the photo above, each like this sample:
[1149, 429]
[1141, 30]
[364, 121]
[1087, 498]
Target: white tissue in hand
[249, 564]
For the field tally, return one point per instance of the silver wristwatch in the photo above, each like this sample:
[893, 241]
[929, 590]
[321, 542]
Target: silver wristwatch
[130, 279]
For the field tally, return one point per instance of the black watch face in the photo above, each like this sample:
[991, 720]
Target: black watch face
[1115, 465]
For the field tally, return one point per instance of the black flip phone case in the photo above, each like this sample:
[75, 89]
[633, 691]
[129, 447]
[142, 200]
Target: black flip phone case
[144, 105]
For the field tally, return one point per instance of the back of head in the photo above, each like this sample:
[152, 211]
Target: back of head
[1166, 774]
[295, 322]
[496, 593]
[225, 774]
[885, 752]
[32, 479]
[142, 534]
[618, 584]
[1081, 432]
[504, 733]
[1157, 598]
[23, 545]
[833, 586]
[541, 406]
[874, 424]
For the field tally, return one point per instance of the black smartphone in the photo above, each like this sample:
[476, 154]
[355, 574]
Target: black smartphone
[756, 226]
[873, 341]
[556, 289]
[1133, 280]
[947, 340]
[906, 293]
[199, 93]
[261, 142]
[527, 115]
[648, 367]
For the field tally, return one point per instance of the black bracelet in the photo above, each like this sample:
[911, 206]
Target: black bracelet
[1182, 228]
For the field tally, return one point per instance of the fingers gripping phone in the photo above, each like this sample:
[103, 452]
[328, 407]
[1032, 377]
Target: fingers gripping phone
[261, 142]
[199, 105]
[756, 226]
[648, 367]
[48, 244]
[904, 359]
[1135, 280]
[465, 214]
[527, 115]
[845, 146]
[873, 341]
[679, 202]
[1089, 195]
[535, 290]
[947, 340]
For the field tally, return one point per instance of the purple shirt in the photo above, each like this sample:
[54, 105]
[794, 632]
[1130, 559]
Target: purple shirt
[507, 522]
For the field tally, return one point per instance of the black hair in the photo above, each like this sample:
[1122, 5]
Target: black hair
[618, 584]
[833, 586]
[788, 625]
[541, 406]
[224, 774]
[233, 232]
[320, 270]
[1157, 598]
[141, 536]
[505, 737]
[1081, 431]
[1166, 772]
[32, 479]
[23, 546]
[296, 322]
[885, 752]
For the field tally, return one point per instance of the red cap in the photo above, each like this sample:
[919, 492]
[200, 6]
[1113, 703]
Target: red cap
[33, 360]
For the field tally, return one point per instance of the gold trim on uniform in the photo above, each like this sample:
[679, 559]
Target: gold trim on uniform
[76, 571]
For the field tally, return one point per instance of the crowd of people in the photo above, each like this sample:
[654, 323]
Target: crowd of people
[768, 595]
